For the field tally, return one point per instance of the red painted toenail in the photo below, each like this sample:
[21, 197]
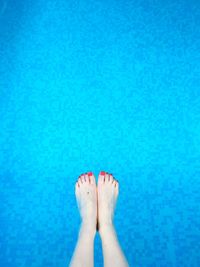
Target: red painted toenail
[89, 173]
[102, 173]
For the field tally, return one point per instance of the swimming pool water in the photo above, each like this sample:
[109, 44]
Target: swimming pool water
[91, 86]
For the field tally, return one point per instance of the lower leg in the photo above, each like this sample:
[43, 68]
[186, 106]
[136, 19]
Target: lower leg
[87, 202]
[107, 197]
[112, 251]
[83, 254]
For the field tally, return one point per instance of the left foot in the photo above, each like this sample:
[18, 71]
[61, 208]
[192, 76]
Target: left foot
[86, 196]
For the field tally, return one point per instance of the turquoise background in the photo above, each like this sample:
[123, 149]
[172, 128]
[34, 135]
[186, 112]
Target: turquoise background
[91, 86]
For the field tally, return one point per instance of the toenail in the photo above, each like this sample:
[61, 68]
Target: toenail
[103, 173]
[89, 173]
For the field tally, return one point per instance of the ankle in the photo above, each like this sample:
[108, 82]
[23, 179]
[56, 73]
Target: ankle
[88, 228]
[105, 228]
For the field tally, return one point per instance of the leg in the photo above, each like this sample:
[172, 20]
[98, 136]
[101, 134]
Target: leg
[86, 195]
[108, 189]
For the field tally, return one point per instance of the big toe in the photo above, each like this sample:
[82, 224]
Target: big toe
[91, 178]
[101, 178]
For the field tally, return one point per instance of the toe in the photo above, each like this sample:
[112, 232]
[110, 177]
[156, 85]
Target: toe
[114, 182]
[101, 177]
[77, 186]
[78, 183]
[111, 178]
[117, 188]
[91, 178]
[82, 179]
[87, 181]
[107, 178]
[116, 185]
[85, 177]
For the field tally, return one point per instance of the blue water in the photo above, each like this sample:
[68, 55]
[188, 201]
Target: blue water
[100, 85]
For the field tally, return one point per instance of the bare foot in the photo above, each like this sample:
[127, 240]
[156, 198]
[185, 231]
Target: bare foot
[108, 189]
[86, 196]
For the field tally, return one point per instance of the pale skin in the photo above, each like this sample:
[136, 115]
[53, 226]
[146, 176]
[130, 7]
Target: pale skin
[96, 205]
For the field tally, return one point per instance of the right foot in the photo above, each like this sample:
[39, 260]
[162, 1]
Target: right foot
[108, 189]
